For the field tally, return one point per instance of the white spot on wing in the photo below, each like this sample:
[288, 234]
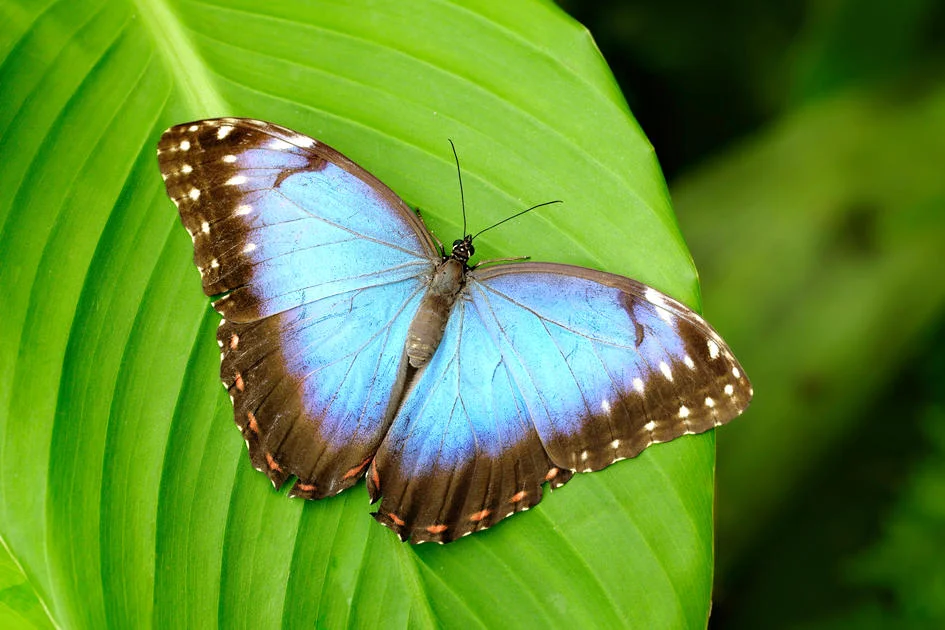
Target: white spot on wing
[584, 456]
[184, 145]
[193, 128]
[713, 349]
[243, 210]
[615, 444]
[729, 390]
[689, 362]
[279, 145]
[214, 264]
[649, 426]
[236, 180]
[736, 373]
[654, 297]
[205, 227]
[229, 159]
[684, 411]
[605, 406]
[194, 194]
[709, 402]
[224, 131]
[664, 368]
[303, 141]
[249, 248]
[638, 384]
[186, 169]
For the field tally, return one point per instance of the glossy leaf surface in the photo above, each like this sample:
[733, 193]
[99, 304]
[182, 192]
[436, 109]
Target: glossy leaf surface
[126, 495]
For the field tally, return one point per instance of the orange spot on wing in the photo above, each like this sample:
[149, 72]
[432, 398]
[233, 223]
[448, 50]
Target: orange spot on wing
[437, 529]
[551, 474]
[357, 470]
[252, 422]
[478, 516]
[397, 520]
[272, 463]
[518, 496]
[234, 341]
[374, 476]
[240, 385]
[305, 487]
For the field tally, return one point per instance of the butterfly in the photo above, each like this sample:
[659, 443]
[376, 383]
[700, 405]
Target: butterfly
[352, 345]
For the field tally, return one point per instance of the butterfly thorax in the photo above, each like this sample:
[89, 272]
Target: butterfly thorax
[426, 329]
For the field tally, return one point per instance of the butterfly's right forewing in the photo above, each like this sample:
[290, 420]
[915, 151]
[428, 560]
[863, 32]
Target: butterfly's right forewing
[319, 269]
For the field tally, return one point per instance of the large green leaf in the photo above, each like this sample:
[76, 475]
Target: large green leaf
[127, 497]
[19, 606]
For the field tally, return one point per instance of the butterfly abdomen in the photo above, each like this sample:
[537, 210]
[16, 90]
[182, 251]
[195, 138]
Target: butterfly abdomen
[426, 329]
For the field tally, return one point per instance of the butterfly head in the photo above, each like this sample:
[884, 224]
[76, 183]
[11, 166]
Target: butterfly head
[463, 249]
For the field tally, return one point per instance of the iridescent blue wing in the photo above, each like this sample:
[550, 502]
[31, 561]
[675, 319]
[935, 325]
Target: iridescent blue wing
[463, 451]
[319, 268]
[545, 370]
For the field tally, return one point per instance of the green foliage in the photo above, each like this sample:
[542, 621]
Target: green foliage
[828, 259]
[19, 606]
[827, 283]
[125, 492]
[906, 561]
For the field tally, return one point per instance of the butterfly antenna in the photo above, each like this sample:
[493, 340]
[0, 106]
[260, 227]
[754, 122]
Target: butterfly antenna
[459, 174]
[547, 203]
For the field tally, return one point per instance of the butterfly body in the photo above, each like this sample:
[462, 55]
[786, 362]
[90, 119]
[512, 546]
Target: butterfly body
[352, 346]
[426, 329]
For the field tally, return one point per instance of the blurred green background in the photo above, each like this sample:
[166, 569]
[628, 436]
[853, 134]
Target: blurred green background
[804, 146]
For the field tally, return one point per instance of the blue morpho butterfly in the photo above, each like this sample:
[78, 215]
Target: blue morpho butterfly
[352, 345]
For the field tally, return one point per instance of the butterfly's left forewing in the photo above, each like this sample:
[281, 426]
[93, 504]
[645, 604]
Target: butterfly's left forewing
[318, 269]
[568, 369]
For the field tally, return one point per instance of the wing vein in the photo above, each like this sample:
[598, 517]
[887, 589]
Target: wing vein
[501, 330]
[349, 230]
[553, 321]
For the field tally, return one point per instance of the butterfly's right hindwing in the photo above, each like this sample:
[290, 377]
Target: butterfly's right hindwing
[545, 370]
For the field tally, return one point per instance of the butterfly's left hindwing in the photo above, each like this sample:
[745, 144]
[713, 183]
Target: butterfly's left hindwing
[319, 269]
[312, 386]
